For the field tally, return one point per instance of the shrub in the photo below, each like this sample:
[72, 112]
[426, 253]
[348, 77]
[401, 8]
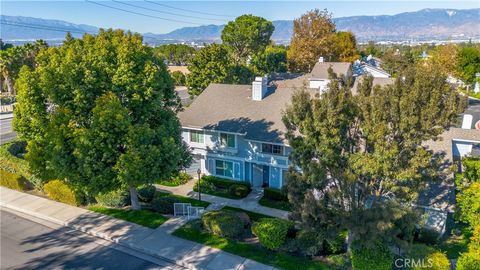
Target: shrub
[18, 148]
[14, 163]
[223, 183]
[338, 244]
[472, 169]
[223, 223]
[428, 236]
[434, 261]
[275, 194]
[309, 243]
[146, 193]
[271, 232]
[176, 180]
[116, 198]
[378, 257]
[206, 187]
[469, 261]
[12, 180]
[469, 204]
[244, 218]
[179, 78]
[164, 205]
[61, 192]
[238, 190]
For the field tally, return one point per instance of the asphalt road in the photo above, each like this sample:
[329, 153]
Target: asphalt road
[26, 244]
[6, 132]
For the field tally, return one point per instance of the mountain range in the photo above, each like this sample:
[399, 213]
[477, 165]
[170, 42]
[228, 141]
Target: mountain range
[425, 24]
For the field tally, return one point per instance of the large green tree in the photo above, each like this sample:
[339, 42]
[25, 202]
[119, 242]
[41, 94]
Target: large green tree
[361, 159]
[345, 47]
[176, 54]
[273, 59]
[100, 113]
[469, 63]
[247, 35]
[313, 36]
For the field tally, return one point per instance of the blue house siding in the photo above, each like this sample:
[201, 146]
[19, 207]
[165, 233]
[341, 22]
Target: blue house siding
[244, 155]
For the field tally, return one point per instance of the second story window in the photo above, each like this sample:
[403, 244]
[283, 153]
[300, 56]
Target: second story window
[196, 136]
[227, 140]
[272, 149]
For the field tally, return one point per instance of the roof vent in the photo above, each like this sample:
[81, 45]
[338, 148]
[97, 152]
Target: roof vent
[321, 60]
[467, 121]
[259, 88]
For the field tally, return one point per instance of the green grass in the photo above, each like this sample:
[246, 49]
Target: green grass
[253, 216]
[184, 199]
[282, 205]
[145, 218]
[278, 259]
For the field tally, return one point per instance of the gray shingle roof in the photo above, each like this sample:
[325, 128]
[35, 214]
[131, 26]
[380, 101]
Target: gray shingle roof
[230, 108]
[376, 81]
[320, 70]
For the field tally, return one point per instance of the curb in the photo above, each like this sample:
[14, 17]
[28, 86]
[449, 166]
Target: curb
[99, 235]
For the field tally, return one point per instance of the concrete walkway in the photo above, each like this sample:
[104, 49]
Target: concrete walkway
[156, 242]
[249, 203]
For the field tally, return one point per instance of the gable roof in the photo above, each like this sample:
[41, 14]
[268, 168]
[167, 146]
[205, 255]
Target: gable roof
[376, 81]
[320, 70]
[230, 108]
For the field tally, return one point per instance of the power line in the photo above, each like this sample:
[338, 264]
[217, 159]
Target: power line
[166, 12]
[189, 10]
[141, 14]
[44, 27]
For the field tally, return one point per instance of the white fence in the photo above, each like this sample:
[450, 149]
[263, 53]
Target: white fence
[186, 209]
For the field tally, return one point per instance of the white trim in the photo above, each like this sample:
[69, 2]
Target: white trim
[463, 140]
[213, 130]
[256, 141]
[226, 146]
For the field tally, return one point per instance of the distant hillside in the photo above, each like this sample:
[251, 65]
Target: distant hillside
[36, 28]
[426, 24]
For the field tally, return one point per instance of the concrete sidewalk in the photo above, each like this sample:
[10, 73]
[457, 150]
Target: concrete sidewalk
[249, 203]
[155, 242]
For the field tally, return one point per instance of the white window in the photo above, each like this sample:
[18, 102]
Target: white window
[224, 168]
[227, 140]
[272, 149]
[196, 136]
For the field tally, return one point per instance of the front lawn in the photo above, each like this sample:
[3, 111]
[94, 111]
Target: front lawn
[282, 205]
[145, 218]
[254, 252]
[184, 199]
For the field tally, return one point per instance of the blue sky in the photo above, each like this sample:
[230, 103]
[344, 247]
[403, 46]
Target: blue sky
[83, 12]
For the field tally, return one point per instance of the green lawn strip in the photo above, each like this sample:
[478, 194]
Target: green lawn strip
[282, 205]
[145, 218]
[253, 216]
[253, 252]
[184, 199]
[453, 246]
[219, 193]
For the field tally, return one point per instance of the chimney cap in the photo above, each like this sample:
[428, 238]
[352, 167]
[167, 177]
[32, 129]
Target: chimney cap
[321, 59]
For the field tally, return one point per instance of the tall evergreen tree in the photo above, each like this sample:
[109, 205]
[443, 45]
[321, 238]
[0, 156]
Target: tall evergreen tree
[361, 158]
[100, 113]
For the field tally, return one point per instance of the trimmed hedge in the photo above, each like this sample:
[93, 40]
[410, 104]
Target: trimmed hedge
[223, 223]
[164, 205]
[223, 187]
[11, 160]
[469, 261]
[61, 192]
[377, 258]
[146, 193]
[116, 198]
[275, 194]
[271, 232]
[12, 181]
[436, 260]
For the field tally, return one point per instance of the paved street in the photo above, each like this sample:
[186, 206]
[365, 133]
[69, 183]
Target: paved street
[6, 132]
[29, 245]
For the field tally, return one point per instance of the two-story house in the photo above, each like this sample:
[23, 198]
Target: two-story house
[236, 131]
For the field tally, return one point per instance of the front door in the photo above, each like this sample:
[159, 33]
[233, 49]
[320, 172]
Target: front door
[266, 176]
[257, 175]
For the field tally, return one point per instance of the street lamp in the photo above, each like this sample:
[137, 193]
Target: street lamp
[199, 185]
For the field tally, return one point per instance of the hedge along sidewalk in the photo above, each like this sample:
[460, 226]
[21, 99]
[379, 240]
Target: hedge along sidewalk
[249, 203]
[153, 242]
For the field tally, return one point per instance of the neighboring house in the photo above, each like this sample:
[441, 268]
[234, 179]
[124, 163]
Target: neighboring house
[369, 66]
[376, 81]
[319, 77]
[183, 69]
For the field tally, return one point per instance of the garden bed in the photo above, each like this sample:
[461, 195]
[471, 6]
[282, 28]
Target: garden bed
[275, 198]
[183, 199]
[145, 218]
[176, 180]
[223, 187]
[282, 260]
